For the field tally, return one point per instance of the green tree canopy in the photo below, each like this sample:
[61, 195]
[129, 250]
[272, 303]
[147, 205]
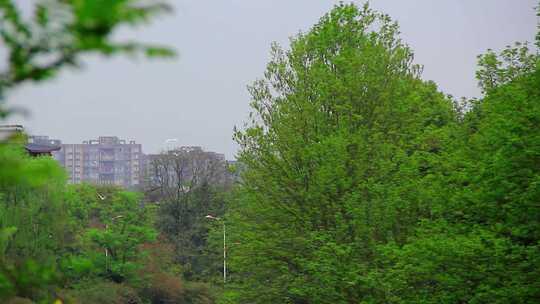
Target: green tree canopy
[364, 184]
[342, 154]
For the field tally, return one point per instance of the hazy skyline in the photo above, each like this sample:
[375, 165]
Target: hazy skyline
[224, 45]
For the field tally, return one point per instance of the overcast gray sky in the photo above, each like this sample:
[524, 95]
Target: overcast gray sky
[224, 45]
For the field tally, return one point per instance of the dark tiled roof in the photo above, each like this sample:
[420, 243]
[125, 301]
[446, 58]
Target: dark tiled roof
[37, 148]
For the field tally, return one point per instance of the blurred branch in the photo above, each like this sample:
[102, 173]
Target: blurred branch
[61, 31]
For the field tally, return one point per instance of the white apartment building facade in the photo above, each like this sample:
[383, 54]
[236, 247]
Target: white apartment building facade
[107, 160]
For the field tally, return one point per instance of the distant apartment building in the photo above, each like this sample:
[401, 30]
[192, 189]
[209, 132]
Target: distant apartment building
[8, 131]
[107, 160]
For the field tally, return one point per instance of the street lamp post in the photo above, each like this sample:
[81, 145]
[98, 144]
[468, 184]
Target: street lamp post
[224, 246]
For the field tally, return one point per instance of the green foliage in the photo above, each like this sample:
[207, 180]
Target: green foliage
[117, 226]
[165, 289]
[105, 237]
[503, 159]
[512, 63]
[183, 206]
[31, 218]
[184, 224]
[341, 157]
[197, 293]
[361, 182]
[74, 267]
[58, 241]
[53, 235]
[57, 238]
[104, 292]
[442, 265]
[121, 245]
[19, 170]
[33, 226]
[364, 184]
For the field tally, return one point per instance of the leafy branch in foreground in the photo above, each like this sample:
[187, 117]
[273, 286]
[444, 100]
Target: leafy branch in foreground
[59, 32]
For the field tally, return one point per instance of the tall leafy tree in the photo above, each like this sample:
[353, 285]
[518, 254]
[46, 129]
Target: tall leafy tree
[189, 184]
[364, 185]
[342, 154]
[482, 247]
